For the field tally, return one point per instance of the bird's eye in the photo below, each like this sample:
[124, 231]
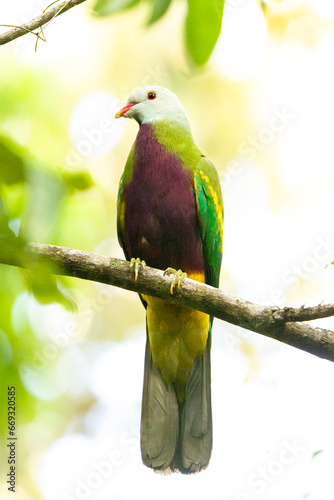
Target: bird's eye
[151, 95]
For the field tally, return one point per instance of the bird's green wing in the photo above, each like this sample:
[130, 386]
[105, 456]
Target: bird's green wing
[211, 215]
[125, 179]
[196, 420]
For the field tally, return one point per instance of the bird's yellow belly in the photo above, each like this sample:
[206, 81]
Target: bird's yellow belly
[177, 334]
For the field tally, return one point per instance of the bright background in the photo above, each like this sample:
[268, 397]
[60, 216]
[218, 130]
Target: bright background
[262, 109]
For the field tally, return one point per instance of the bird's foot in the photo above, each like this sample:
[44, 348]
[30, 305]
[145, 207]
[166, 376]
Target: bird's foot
[178, 277]
[137, 263]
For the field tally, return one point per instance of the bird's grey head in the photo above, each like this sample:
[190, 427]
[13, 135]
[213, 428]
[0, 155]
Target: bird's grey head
[153, 103]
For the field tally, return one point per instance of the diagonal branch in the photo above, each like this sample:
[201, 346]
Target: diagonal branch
[280, 324]
[39, 21]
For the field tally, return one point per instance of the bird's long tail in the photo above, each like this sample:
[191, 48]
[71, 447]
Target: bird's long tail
[177, 437]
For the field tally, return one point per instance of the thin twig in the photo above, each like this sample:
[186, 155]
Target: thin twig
[23, 28]
[59, 11]
[48, 15]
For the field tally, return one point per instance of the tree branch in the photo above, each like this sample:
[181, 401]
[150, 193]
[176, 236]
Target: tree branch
[39, 21]
[280, 324]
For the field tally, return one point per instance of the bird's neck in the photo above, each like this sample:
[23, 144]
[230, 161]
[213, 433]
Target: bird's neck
[175, 137]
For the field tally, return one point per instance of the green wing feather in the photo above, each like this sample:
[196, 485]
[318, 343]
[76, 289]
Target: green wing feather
[195, 441]
[211, 216]
[125, 179]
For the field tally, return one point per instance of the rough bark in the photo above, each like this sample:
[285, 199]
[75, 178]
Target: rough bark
[285, 325]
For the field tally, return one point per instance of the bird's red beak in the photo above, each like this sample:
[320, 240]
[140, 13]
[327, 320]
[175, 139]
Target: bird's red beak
[124, 110]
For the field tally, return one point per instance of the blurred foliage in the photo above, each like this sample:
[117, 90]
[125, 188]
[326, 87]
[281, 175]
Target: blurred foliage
[202, 26]
[158, 10]
[107, 7]
[32, 193]
[12, 160]
[44, 189]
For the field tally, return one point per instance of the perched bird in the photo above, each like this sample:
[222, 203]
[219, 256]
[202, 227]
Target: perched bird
[170, 214]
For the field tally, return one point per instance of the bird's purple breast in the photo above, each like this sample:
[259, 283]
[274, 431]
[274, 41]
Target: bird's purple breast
[161, 220]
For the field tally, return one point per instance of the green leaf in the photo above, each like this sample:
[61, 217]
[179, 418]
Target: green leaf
[11, 247]
[203, 26]
[44, 286]
[10, 244]
[80, 180]
[12, 161]
[316, 453]
[107, 7]
[159, 9]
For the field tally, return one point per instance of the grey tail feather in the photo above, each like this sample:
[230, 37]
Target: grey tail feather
[174, 438]
[159, 419]
[195, 443]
